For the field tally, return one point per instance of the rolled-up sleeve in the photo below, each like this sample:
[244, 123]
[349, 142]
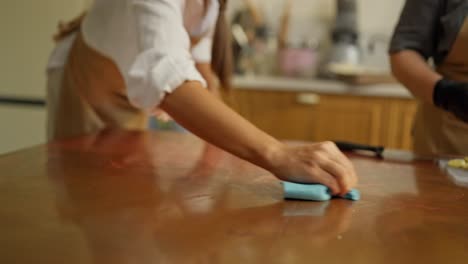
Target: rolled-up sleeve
[417, 28]
[164, 61]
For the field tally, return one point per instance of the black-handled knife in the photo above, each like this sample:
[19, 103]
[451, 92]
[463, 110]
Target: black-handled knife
[380, 152]
[348, 146]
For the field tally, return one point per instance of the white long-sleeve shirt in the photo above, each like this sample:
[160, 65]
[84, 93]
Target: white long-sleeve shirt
[149, 41]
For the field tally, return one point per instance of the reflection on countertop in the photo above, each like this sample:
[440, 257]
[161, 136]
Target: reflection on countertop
[278, 83]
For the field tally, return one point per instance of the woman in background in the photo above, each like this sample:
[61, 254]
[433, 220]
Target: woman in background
[436, 29]
[132, 58]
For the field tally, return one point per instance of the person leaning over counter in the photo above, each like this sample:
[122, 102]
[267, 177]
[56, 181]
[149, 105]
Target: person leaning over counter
[436, 29]
[130, 58]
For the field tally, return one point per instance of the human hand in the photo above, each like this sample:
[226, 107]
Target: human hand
[320, 163]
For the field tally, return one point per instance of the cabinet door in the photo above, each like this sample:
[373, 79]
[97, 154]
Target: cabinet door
[277, 113]
[306, 116]
[397, 128]
[315, 117]
[349, 118]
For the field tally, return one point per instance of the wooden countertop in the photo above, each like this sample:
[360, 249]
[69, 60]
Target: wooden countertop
[274, 83]
[129, 197]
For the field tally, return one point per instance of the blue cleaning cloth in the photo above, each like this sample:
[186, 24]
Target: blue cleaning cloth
[313, 192]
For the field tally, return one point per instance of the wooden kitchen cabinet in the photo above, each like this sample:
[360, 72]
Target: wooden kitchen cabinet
[318, 117]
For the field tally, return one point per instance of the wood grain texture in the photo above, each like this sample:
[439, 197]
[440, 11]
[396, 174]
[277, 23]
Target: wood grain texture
[130, 197]
[366, 120]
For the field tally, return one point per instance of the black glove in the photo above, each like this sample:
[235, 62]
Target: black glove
[453, 97]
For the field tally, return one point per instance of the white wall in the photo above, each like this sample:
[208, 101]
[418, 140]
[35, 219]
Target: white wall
[27, 27]
[379, 15]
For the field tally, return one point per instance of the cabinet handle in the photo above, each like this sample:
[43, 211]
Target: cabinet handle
[308, 98]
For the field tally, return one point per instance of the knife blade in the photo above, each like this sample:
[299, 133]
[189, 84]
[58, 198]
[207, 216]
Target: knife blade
[381, 152]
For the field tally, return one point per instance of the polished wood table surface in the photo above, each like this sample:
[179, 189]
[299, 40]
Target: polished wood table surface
[130, 197]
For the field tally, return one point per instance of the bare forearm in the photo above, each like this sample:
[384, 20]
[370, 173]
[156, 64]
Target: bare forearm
[410, 68]
[200, 112]
[210, 77]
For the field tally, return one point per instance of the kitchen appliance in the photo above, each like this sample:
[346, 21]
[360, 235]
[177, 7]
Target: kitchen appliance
[345, 51]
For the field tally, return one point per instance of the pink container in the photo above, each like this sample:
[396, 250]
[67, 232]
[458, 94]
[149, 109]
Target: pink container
[295, 62]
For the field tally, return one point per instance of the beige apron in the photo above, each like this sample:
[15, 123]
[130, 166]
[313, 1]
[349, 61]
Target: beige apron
[92, 97]
[437, 132]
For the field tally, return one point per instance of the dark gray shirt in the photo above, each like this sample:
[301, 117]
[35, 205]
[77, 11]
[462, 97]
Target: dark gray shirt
[429, 27]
